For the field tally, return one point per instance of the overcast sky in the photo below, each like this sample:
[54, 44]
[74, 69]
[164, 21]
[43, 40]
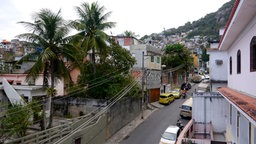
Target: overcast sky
[139, 16]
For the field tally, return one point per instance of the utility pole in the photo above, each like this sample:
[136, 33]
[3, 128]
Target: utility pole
[142, 85]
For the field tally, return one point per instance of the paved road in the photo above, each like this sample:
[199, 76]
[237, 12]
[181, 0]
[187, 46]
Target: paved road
[149, 132]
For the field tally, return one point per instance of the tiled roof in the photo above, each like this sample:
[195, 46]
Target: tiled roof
[244, 102]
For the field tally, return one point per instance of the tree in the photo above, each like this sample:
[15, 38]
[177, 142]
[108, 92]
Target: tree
[49, 35]
[111, 77]
[205, 56]
[15, 121]
[177, 54]
[91, 25]
[130, 34]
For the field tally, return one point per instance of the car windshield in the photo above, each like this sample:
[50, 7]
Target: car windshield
[161, 96]
[186, 107]
[175, 90]
[169, 136]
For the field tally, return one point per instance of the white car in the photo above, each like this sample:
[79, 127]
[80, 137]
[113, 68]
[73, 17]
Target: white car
[207, 76]
[170, 135]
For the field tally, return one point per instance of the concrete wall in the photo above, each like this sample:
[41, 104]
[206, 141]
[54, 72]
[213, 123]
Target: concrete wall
[218, 72]
[93, 134]
[210, 107]
[121, 114]
[75, 106]
[115, 118]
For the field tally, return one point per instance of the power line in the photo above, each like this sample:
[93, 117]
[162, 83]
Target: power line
[125, 91]
[63, 97]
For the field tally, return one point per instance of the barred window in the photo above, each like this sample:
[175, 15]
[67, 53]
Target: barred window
[230, 65]
[238, 61]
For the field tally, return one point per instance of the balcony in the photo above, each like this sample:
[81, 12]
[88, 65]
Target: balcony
[200, 133]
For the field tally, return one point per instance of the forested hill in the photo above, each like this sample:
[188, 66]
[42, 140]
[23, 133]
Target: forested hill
[207, 26]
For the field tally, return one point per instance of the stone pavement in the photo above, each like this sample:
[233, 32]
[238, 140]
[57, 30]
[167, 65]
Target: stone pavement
[126, 130]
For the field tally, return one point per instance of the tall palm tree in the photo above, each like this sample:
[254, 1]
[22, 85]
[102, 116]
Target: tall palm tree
[91, 25]
[49, 34]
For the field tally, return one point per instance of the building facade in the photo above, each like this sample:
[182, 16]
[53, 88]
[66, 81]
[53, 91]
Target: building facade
[148, 61]
[239, 42]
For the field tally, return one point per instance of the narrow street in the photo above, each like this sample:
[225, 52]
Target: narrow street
[150, 130]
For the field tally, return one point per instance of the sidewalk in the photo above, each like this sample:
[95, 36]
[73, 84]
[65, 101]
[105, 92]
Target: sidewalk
[126, 130]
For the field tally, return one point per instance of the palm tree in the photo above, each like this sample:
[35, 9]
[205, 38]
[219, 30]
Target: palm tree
[49, 35]
[130, 34]
[91, 25]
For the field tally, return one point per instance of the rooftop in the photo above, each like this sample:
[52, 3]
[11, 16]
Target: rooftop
[245, 102]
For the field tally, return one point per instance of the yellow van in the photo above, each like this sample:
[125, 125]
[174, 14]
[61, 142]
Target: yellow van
[166, 98]
[186, 108]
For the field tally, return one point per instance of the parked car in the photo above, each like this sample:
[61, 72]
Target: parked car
[195, 70]
[176, 93]
[170, 135]
[186, 108]
[196, 79]
[166, 98]
[207, 76]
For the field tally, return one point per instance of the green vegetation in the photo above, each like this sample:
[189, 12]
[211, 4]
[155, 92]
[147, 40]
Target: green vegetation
[111, 77]
[91, 25]
[207, 26]
[91, 50]
[17, 119]
[176, 55]
[49, 33]
[130, 34]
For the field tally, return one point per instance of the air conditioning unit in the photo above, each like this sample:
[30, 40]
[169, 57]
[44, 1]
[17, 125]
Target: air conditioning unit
[219, 62]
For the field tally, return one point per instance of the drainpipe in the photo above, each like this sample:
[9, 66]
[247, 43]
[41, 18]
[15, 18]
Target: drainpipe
[205, 117]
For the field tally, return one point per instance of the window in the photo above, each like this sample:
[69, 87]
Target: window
[152, 58]
[238, 61]
[78, 140]
[253, 54]
[158, 59]
[120, 41]
[230, 65]
[18, 67]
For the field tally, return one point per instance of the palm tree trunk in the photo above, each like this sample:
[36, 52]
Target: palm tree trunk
[94, 62]
[51, 96]
[45, 80]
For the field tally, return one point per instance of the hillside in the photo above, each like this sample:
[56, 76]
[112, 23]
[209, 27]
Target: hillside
[207, 26]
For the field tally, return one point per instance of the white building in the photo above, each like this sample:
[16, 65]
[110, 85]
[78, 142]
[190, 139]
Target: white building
[239, 42]
[235, 113]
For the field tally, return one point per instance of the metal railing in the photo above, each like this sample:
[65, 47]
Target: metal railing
[52, 134]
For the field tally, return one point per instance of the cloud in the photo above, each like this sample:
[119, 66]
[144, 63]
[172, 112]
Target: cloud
[140, 16]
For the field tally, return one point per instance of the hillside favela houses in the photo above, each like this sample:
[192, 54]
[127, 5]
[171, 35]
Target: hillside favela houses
[229, 115]
[14, 87]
